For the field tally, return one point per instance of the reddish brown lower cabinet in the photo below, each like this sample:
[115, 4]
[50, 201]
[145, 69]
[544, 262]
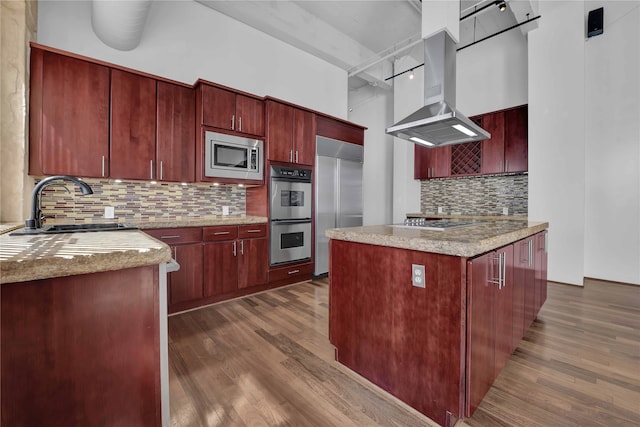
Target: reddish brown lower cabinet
[186, 284]
[252, 262]
[82, 350]
[490, 320]
[439, 347]
[220, 268]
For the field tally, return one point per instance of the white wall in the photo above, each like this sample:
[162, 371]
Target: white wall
[612, 150]
[372, 107]
[184, 40]
[584, 156]
[556, 135]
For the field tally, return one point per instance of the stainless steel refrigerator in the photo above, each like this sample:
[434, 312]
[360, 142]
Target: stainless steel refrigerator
[338, 192]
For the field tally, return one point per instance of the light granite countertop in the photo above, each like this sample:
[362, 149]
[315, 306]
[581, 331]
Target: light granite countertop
[461, 216]
[42, 256]
[471, 241]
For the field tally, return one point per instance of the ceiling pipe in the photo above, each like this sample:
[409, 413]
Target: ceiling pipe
[119, 24]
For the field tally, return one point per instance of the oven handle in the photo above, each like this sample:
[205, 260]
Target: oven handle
[302, 180]
[290, 221]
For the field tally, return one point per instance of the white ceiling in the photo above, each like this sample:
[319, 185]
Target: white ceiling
[363, 37]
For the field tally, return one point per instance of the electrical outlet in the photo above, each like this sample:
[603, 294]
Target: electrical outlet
[109, 212]
[225, 210]
[417, 276]
[439, 209]
[505, 211]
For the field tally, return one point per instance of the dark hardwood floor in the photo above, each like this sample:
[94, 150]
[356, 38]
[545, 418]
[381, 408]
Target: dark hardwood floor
[265, 360]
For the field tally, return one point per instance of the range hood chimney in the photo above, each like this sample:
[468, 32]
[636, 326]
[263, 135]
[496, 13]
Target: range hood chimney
[438, 122]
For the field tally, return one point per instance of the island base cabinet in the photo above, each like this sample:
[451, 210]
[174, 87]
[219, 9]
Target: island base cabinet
[82, 350]
[403, 338]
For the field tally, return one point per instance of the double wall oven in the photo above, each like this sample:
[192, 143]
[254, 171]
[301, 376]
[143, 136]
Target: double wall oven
[290, 214]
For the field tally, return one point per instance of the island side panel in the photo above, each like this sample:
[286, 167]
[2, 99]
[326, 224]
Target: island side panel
[82, 350]
[407, 340]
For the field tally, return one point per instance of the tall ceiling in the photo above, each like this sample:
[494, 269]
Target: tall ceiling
[363, 37]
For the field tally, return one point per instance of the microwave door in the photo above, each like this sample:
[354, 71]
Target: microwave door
[230, 156]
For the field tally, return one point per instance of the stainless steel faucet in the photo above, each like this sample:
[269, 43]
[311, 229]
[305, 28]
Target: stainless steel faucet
[35, 221]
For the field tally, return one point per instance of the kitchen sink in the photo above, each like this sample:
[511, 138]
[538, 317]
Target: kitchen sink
[74, 228]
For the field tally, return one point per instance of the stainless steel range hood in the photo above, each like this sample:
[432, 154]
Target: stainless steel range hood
[438, 122]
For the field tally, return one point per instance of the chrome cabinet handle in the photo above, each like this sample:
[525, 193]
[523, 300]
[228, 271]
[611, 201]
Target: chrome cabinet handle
[504, 269]
[500, 166]
[175, 253]
[293, 271]
[296, 156]
[546, 242]
[150, 169]
[241, 247]
[254, 231]
[501, 258]
[219, 233]
[530, 254]
[290, 156]
[233, 122]
[175, 236]
[234, 249]
[506, 165]
[102, 165]
[161, 174]
[240, 124]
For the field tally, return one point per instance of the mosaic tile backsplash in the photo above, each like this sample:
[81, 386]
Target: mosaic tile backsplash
[144, 201]
[476, 195]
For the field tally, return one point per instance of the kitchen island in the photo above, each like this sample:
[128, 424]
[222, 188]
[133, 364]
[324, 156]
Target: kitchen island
[83, 329]
[433, 316]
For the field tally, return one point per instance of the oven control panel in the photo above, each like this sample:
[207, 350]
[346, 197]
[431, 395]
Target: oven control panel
[297, 174]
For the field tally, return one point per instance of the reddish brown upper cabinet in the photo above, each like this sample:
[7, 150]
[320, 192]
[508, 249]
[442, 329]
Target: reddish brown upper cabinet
[493, 148]
[431, 162]
[340, 130]
[133, 126]
[225, 109]
[69, 116]
[516, 150]
[290, 134]
[175, 133]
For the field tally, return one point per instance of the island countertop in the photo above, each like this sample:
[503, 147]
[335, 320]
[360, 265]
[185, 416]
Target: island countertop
[482, 237]
[43, 256]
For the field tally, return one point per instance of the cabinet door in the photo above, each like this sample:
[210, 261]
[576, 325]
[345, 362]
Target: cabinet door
[133, 126]
[253, 262]
[493, 148]
[220, 268]
[175, 133]
[75, 117]
[280, 132]
[441, 162]
[480, 330]
[304, 137]
[527, 253]
[520, 268]
[186, 283]
[421, 162]
[516, 151]
[504, 311]
[218, 107]
[249, 115]
[540, 259]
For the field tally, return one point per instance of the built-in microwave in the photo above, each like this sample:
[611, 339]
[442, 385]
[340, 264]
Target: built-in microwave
[230, 156]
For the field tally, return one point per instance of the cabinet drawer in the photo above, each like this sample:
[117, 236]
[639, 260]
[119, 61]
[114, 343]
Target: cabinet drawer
[172, 236]
[252, 231]
[300, 272]
[218, 233]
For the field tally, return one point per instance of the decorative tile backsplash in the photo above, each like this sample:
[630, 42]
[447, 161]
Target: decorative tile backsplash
[476, 195]
[139, 200]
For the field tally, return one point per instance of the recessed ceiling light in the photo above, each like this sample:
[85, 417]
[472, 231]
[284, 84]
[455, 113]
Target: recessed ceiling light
[421, 141]
[464, 130]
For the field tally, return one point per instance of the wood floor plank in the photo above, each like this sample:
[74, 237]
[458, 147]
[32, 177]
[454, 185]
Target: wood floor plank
[265, 360]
